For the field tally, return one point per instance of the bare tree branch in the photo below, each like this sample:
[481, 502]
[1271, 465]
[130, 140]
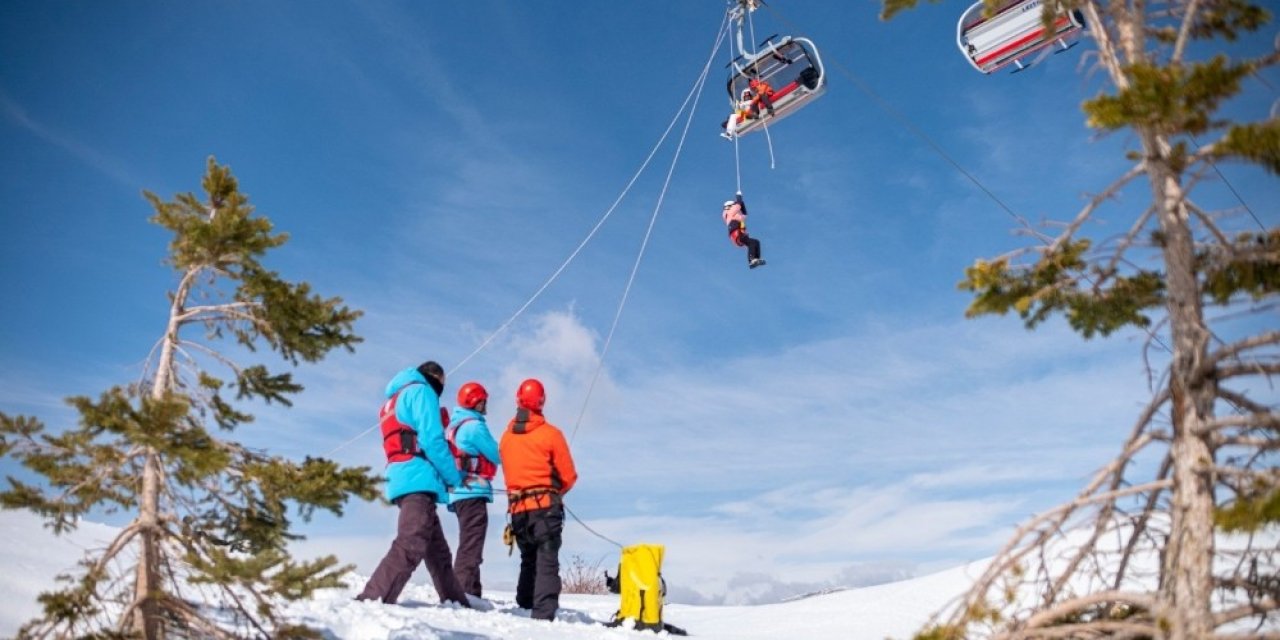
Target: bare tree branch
[194, 314]
[1184, 32]
[1246, 369]
[1094, 203]
[1236, 348]
[1062, 609]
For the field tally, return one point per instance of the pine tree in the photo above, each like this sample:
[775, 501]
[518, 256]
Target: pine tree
[1216, 445]
[209, 514]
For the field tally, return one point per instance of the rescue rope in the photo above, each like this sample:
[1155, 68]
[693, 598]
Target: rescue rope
[737, 156]
[768, 137]
[693, 94]
[1231, 187]
[737, 160]
[696, 94]
[584, 526]
[576, 519]
[751, 24]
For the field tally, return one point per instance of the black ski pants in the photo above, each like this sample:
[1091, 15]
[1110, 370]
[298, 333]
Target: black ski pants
[753, 246]
[738, 234]
[419, 538]
[538, 534]
[473, 523]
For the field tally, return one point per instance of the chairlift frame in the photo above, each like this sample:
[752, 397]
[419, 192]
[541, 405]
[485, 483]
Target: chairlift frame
[791, 65]
[1012, 35]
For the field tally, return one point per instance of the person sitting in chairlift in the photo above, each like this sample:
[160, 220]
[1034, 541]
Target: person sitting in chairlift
[745, 110]
[763, 97]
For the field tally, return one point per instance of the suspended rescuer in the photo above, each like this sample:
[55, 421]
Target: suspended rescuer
[419, 471]
[735, 219]
[538, 471]
[476, 454]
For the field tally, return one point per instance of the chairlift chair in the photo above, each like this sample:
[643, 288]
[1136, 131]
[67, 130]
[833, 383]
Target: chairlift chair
[1012, 35]
[792, 66]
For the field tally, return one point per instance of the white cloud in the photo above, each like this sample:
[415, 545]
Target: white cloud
[109, 166]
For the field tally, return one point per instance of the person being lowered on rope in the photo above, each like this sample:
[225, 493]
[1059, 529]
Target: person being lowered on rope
[735, 218]
[539, 471]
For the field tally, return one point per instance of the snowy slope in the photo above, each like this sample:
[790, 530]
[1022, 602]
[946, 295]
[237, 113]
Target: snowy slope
[30, 556]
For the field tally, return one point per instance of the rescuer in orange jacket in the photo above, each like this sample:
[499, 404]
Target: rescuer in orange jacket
[538, 471]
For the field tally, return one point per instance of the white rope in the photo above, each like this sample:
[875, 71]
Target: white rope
[737, 162]
[733, 99]
[769, 138]
[626, 292]
[751, 23]
[695, 91]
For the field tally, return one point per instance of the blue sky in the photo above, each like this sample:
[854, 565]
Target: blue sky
[829, 418]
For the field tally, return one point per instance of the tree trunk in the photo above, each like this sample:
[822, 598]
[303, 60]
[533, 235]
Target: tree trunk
[147, 621]
[146, 617]
[1186, 581]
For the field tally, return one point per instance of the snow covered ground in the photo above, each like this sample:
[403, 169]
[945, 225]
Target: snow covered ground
[30, 556]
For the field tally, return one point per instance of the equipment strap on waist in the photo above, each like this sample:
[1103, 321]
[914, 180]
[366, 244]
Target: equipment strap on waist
[520, 495]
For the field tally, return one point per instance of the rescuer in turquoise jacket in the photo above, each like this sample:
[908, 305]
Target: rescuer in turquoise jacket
[433, 469]
[420, 470]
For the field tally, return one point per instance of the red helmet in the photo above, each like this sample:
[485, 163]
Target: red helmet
[471, 394]
[531, 395]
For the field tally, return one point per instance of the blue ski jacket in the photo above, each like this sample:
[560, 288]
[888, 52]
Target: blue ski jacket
[434, 471]
[473, 438]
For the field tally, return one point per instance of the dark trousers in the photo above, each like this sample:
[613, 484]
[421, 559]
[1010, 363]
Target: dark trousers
[419, 538]
[738, 234]
[753, 246]
[473, 523]
[538, 536]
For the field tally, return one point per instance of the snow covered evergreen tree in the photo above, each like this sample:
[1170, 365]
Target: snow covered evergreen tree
[1208, 439]
[210, 515]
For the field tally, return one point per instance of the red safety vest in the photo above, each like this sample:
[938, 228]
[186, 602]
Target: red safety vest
[473, 466]
[399, 440]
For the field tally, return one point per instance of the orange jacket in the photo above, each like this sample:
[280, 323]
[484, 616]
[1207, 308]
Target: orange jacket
[535, 459]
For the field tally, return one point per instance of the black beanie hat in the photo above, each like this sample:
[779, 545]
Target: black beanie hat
[433, 372]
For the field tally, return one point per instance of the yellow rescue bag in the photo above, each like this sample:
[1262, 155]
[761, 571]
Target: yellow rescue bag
[640, 584]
